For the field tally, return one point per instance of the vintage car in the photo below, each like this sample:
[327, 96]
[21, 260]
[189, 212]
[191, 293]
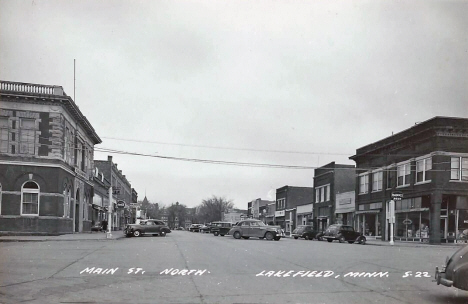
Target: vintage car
[304, 231]
[455, 271]
[153, 227]
[96, 227]
[220, 228]
[343, 233]
[256, 228]
[205, 228]
[195, 228]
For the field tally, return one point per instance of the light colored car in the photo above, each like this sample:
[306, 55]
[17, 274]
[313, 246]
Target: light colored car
[256, 228]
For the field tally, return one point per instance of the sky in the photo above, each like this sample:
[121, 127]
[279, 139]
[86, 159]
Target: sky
[290, 83]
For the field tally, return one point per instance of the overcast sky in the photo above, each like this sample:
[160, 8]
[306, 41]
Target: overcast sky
[241, 81]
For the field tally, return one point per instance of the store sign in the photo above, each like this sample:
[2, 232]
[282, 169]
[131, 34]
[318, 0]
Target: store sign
[397, 196]
[121, 204]
[407, 222]
[280, 213]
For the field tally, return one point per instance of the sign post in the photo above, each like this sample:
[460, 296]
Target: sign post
[391, 219]
[396, 196]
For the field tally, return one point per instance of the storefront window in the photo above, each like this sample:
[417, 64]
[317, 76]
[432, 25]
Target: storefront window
[462, 233]
[412, 224]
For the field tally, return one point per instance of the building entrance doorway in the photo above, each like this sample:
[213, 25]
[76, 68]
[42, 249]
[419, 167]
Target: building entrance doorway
[443, 228]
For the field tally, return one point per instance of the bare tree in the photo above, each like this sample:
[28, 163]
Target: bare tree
[176, 214]
[212, 209]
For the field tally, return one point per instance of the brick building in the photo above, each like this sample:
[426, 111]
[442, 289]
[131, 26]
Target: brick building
[46, 161]
[428, 163]
[330, 180]
[287, 199]
[122, 192]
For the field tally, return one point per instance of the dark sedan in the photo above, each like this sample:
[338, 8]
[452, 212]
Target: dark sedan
[154, 227]
[304, 231]
[455, 271]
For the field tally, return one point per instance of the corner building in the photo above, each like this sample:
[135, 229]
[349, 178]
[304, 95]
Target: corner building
[428, 163]
[46, 161]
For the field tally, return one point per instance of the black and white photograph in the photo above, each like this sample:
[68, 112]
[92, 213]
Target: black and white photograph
[262, 151]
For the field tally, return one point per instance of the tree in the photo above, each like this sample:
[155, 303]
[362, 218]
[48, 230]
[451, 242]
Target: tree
[212, 209]
[176, 214]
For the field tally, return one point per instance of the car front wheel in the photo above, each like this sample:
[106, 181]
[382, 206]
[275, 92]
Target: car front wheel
[362, 241]
[269, 236]
[163, 233]
[216, 233]
[296, 237]
[237, 235]
[137, 233]
[277, 238]
[342, 239]
[329, 240]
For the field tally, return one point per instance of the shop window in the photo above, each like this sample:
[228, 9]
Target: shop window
[30, 199]
[423, 168]
[403, 174]
[363, 183]
[459, 168]
[411, 225]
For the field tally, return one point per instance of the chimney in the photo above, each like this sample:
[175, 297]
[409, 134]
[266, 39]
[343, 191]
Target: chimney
[109, 158]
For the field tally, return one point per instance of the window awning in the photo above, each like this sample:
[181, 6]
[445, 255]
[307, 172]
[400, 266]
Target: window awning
[368, 212]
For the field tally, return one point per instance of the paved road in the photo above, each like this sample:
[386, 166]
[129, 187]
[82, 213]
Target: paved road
[189, 267]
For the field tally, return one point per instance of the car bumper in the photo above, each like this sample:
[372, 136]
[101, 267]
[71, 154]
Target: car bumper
[440, 277]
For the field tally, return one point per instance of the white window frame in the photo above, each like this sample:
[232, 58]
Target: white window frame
[424, 160]
[406, 181]
[374, 174]
[460, 169]
[364, 176]
[322, 193]
[30, 191]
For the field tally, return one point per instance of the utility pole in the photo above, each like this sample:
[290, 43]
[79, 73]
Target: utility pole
[109, 227]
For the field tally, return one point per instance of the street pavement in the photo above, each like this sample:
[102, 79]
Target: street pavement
[186, 267]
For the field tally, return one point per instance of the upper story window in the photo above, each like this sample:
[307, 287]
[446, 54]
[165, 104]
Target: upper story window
[27, 136]
[322, 194]
[459, 168]
[377, 181]
[403, 174]
[391, 174]
[281, 203]
[423, 168]
[4, 134]
[30, 199]
[78, 154]
[364, 183]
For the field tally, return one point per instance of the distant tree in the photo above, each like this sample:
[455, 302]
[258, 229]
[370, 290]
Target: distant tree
[176, 214]
[151, 210]
[212, 209]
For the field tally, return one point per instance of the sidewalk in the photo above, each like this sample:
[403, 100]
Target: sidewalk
[87, 236]
[411, 244]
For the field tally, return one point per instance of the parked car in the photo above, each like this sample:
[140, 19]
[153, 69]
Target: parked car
[195, 228]
[97, 227]
[256, 228]
[455, 271]
[154, 227]
[304, 231]
[343, 233]
[205, 228]
[220, 228]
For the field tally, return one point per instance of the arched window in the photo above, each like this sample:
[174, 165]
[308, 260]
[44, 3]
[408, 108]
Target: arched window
[30, 199]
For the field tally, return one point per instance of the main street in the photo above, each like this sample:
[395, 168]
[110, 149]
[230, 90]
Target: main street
[186, 267]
